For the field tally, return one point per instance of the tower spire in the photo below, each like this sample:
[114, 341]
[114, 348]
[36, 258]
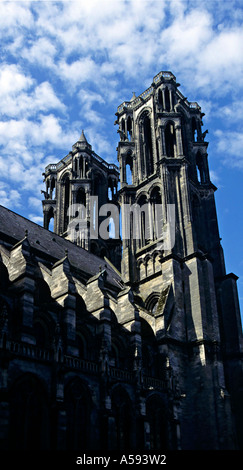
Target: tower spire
[82, 138]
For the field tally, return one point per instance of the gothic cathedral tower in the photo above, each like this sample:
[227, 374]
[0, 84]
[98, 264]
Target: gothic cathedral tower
[76, 187]
[181, 287]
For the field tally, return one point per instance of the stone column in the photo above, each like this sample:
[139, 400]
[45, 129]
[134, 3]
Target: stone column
[163, 94]
[162, 136]
[179, 146]
[171, 100]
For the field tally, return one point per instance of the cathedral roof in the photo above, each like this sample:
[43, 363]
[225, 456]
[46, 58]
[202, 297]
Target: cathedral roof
[51, 248]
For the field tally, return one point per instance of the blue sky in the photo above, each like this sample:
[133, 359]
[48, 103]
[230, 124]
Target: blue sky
[66, 66]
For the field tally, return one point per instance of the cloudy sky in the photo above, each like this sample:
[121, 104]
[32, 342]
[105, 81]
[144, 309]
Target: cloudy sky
[66, 66]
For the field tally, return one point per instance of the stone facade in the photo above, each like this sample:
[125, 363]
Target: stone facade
[146, 355]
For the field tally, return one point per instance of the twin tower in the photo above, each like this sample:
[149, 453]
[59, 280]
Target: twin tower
[182, 286]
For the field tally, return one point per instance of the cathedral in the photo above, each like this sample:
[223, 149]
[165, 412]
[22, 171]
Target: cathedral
[120, 329]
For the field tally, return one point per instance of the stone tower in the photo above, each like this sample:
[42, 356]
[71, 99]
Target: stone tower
[76, 187]
[190, 302]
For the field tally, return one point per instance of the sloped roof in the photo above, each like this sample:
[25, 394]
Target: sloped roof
[51, 247]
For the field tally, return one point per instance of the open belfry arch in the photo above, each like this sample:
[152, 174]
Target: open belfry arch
[131, 342]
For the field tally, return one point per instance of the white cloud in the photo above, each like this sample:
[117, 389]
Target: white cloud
[21, 95]
[41, 51]
[12, 80]
[221, 60]
[9, 197]
[232, 112]
[87, 100]
[78, 71]
[19, 134]
[35, 203]
[187, 35]
[44, 98]
[14, 15]
[229, 145]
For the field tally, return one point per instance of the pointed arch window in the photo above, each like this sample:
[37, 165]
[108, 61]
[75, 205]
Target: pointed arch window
[167, 99]
[148, 146]
[143, 222]
[77, 402]
[201, 173]
[99, 185]
[149, 349]
[66, 201]
[170, 140]
[110, 189]
[81, 197]
[50, 220]
[156, 208]
[194, 130]
[29, 417]
[121, 410]
[129, 127]
[129, 169]
[53, 189]
[156, 416]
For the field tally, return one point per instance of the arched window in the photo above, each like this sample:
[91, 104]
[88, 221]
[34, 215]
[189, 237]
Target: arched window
[53, 188]
[198, 219]
[152, 302]
[81, 199]
[142, 221]
[100, 188]
[129, 126]
[42, 323]
[66, 201]
[194, 129]
[118, 353]
[50, 219]
[82, 346]
[201, 174]
[148, 146]
[149, 349]
[167, 99]
[109, 193]
[156, 417]
[29, 417]
[112, 228]
[43, 333]
[111, 187]
[129, 169]
[170, 140]
[160, 97]
[77, 402]
[121, 410]
[184, 135]
[156, 208]
[123, 125]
